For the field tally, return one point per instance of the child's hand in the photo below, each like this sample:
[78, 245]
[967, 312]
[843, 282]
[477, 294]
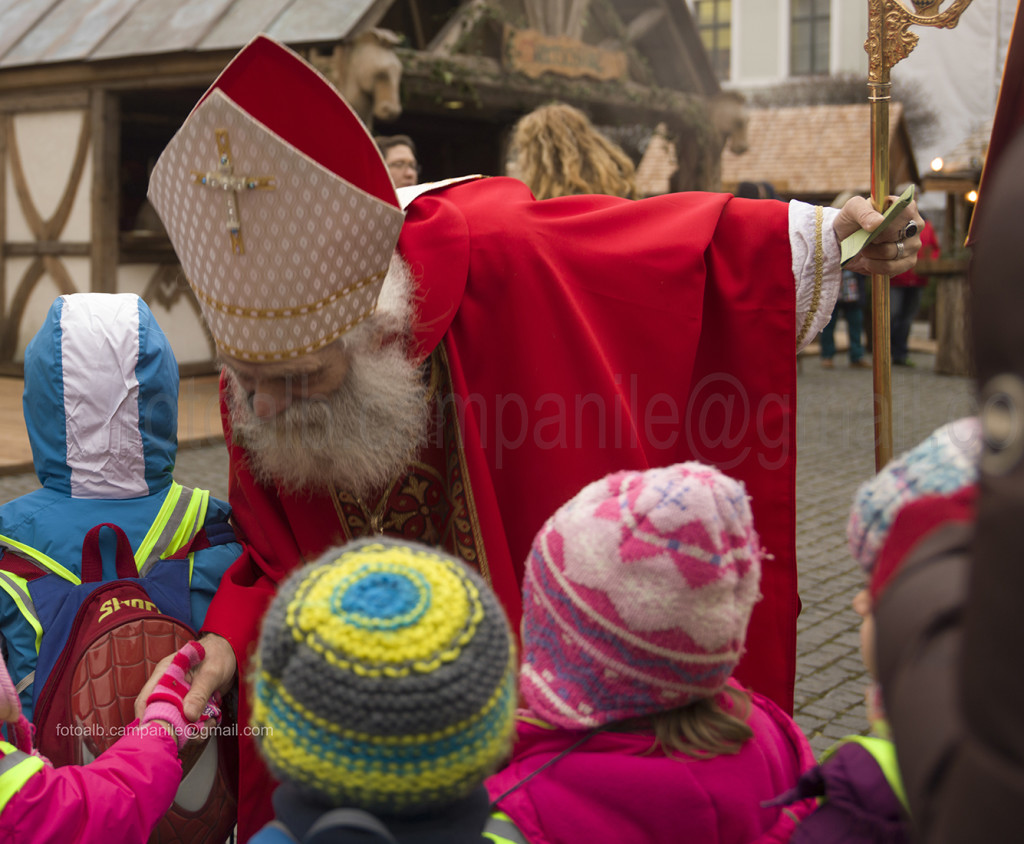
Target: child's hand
[167, 701]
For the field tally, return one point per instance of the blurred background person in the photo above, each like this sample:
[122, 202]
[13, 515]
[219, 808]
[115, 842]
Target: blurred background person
[905, 298]
[848, 306]
[399, 153]
[557, 151]
[756, 190]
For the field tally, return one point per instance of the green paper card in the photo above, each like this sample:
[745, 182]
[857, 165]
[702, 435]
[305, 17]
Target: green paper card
[852, 245]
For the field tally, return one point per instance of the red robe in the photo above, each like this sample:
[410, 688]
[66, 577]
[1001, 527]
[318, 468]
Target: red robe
[582, 335]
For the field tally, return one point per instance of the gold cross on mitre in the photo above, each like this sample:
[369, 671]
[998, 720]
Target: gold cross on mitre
[225, 179]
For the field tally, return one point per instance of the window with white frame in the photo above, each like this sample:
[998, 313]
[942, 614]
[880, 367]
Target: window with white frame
[714, 22]
[809, 37]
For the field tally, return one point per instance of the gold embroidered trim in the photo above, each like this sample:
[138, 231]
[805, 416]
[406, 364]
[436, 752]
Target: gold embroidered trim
[474, 519]
[285, 313]
[242, 354]
[819, 272]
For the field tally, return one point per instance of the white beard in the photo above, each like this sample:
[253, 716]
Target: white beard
[362, 435]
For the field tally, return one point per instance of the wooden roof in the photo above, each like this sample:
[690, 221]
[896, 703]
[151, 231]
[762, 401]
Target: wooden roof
[817, 152]
[34, 32]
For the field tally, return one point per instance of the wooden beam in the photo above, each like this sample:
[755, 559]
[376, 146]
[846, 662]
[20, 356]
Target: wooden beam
[428, 82]
[22, 103]
[460, 24]
[644, 23]
[46, 247]
[105, 116]
[576, 18]
[417, 25]
[156, 71]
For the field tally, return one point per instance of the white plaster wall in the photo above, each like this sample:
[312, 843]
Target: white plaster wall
[46, 143]
[756, 46]
[849, 26]
[760, 54]
[181, 324]
[42, 296]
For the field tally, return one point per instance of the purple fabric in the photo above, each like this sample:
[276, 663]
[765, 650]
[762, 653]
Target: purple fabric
[859, 807]
[611, 788]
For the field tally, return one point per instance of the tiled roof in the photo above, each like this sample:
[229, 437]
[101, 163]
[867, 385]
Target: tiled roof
[816, 150]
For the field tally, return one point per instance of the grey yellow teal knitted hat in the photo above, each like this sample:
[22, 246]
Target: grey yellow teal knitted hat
[385, 679]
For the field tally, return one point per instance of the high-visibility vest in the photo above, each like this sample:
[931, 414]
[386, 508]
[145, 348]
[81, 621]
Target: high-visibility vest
[502, 830]
[16, 768]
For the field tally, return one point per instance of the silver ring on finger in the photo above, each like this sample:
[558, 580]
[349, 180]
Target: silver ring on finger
[899, 250]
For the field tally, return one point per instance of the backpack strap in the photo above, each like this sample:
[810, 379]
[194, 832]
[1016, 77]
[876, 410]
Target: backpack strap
[501, 829]
[92, 559]
[48, 563]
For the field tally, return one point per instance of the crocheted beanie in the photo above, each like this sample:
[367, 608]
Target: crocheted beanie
[637, 595]
[385, 679]
[944, 462]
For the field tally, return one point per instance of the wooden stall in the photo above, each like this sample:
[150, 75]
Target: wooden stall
[90, 94]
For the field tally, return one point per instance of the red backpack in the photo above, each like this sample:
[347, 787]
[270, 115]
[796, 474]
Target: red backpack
[101, 640]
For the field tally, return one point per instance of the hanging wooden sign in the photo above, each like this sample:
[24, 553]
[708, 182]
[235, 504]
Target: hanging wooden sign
[533, 53]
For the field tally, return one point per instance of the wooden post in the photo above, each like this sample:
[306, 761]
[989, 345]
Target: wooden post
[889, 40]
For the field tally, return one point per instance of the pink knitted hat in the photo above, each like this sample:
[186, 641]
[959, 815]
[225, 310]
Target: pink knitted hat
[637, 595]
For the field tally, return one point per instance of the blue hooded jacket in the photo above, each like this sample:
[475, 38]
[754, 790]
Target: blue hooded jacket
[101, 408]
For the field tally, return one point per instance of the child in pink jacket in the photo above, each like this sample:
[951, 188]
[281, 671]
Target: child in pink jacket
[120, 796]
[636, 599]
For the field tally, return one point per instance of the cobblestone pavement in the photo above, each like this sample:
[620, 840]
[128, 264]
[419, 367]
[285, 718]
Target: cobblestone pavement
[836, 454]
[835, 447]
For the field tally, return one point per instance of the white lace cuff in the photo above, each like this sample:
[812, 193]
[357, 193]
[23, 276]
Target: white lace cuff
[816, 268]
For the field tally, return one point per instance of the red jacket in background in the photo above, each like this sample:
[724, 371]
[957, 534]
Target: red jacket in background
[929, 252]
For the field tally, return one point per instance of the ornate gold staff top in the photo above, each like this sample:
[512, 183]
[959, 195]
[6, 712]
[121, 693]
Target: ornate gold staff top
[889, 41]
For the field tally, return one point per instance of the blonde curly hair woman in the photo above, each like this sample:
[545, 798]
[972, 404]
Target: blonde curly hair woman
[557, 151]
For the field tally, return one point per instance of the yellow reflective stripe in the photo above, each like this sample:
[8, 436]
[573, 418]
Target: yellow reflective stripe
[189, 525]
[883, 752]
[159, 523]
[204, 505]
[500, 826]
[42, 559]
[194, 518]
[17, 588]
[180, 518]
[14, 776]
